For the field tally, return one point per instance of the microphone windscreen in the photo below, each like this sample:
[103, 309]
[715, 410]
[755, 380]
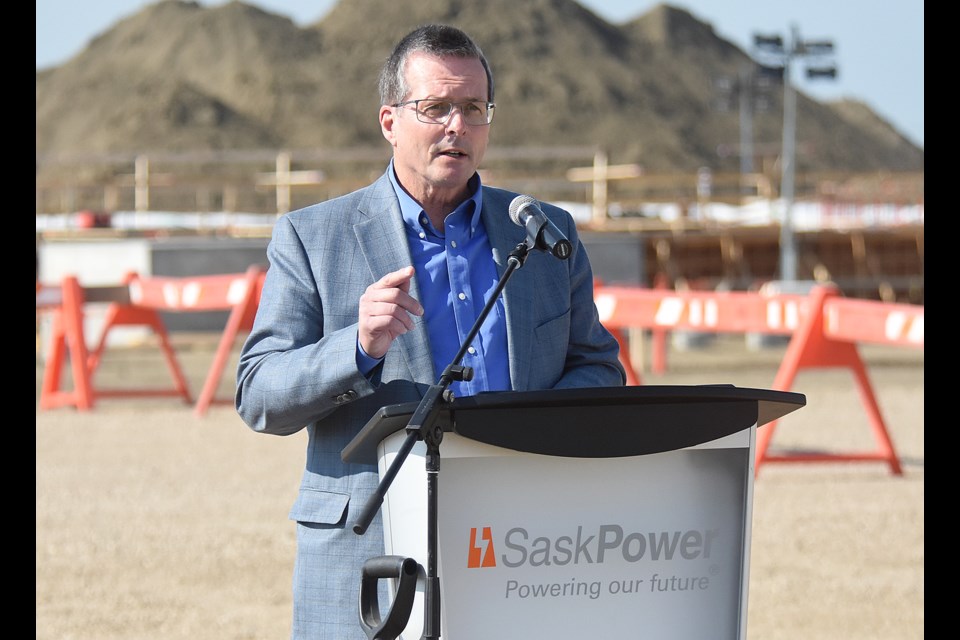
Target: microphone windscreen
[519, 203]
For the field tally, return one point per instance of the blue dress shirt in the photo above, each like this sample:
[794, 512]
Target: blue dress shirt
[456, 276]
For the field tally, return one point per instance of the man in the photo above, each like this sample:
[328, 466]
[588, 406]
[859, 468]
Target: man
[369, 295]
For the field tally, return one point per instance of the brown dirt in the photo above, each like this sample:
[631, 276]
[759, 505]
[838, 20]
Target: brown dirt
[154, 523]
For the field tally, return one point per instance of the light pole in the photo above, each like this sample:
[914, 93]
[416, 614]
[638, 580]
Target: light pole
[749, 90]
[776, 53]
[788, 241]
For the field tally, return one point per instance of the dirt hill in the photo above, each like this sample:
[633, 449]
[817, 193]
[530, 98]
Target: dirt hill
[178, 76]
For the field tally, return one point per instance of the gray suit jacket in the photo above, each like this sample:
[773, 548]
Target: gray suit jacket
[297, 367]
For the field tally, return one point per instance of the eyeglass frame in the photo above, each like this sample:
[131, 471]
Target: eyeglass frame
[491, 108]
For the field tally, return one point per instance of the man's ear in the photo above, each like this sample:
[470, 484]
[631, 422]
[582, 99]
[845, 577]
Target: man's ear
[387, 120]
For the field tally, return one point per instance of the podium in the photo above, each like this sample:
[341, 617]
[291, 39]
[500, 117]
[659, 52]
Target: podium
[612, 512]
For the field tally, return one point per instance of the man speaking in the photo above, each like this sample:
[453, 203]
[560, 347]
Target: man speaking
[369, 296]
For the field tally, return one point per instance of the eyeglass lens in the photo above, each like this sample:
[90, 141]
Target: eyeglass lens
[438, 111]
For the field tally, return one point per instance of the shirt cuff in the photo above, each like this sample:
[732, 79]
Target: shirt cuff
[366, 363]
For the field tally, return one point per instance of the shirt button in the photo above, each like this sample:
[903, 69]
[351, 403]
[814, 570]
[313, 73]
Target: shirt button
[453, 243]
[471, 351]
[462, 296]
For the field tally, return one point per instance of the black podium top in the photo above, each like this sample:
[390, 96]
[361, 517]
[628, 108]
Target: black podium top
[598, 422]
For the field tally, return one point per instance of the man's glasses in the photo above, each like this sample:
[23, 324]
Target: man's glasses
[438, 111]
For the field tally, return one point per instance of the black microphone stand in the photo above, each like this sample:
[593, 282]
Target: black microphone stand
[421, 427]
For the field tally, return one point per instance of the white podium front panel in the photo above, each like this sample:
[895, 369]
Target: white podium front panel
[652, 546]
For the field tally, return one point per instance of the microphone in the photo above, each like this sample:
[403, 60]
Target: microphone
[541, 233]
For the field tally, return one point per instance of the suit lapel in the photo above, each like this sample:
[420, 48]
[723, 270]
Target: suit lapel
[382, 239]
[518, 294]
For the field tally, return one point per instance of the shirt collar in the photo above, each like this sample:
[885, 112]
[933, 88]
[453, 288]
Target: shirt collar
[412, 211]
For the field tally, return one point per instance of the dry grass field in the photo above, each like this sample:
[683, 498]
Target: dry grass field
[152, 523]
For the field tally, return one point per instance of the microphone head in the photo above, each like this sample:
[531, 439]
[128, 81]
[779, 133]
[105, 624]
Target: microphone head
[517, 205]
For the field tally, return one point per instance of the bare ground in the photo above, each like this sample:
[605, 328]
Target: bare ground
[154, 523]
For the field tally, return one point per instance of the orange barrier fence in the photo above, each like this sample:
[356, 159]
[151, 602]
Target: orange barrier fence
[663, 310]
[139, 302]
[825, 330]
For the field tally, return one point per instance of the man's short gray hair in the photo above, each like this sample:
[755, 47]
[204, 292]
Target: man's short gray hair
[434, 39]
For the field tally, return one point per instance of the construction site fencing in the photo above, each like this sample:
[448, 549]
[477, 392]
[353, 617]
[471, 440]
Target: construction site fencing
[823, 327]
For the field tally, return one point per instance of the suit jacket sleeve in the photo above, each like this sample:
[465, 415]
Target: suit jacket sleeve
[298, 365]
[291, 371]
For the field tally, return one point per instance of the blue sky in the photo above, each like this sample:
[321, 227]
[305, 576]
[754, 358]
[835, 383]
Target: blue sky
[878, 45]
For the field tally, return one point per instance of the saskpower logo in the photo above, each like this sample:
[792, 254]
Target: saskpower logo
[608, 541]
[481, 553]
